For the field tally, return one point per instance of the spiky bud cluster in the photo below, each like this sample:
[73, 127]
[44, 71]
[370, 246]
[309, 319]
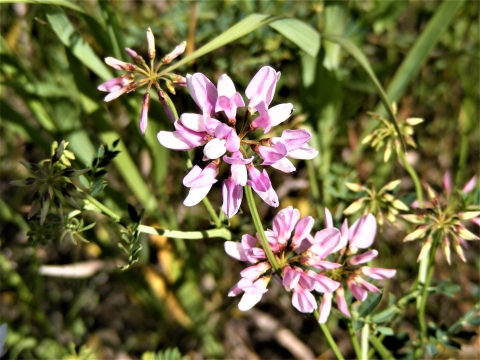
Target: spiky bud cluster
[382, 204]
[148, 74]
[386, 137]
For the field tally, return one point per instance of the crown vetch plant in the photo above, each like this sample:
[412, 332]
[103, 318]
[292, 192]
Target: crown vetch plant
[221, 141]
[327, 271]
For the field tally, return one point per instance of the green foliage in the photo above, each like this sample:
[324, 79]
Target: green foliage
[167, 354]
[338, 61]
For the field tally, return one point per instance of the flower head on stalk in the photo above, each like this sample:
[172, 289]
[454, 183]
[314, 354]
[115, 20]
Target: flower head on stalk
[304, 262]
[441, 221]
[215, 129]
[386, 137]
[381, 203]
[148, 74]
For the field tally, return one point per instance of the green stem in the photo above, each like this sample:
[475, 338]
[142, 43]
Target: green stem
[423, 301]
[211, 211]
[258, 225]
[353, 337]
[222, 233]
[413, 175]
[379, 347]
[330, 339]
[364, 340]
[314, 187]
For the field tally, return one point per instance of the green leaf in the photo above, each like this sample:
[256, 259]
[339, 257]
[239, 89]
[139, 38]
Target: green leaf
[384, 315]
[244, 27]
[67, 34]
[418, 54]
[358, 55]
[475, 320]
[432, 349]
[115, 32]
[302, 35]
[385, 330]
[65, 3]
[370, 303]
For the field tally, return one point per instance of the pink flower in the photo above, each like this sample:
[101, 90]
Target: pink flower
[260, 183]
[228, 98]
[260, 92]
[232, 197]
[200, 182]
[221, 141]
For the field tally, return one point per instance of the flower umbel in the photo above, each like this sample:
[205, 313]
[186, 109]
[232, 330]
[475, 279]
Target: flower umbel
[305, 266]
[441, 222]
[147, 74]
[215, 129]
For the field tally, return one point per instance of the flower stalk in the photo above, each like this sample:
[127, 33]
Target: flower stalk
[259, 227]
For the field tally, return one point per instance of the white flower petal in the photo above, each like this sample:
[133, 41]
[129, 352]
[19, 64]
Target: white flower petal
[173, 140]
[193, 122]
[248, 301]
[196, 195]
[214, 149]
[235, 250]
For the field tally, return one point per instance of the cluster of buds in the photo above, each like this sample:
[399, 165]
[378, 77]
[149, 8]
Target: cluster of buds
[382, 204]
[52, 178]
[439, 221]
[216, 130]
[147, 74]
[326, 263]
[387, 137]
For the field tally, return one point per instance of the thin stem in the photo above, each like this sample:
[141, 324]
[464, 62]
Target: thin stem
[353, 337]
[364, 340]
[379, 347]
[104, 209]
[211, 211]
[330, 339]
[423, 302]
[222, 233]
[258, 225]
[413, 175]
[314, 187]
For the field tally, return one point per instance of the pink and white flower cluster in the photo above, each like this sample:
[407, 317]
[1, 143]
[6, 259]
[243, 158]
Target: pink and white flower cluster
[326, 263]
[221, 141]
[148, 75]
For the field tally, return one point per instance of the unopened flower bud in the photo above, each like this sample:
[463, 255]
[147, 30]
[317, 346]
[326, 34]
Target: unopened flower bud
[466, 234]
[391, 185]
[459, 251]
[355, 187]
[368, 138]
[468, 215]
[470, 185]
[132, 53]
[388, 151]
[135, 57]
[354, 207]
[398, 204]
[414, 121]
[170, 87]
[417, 234]
[163, 99]
[144, 113]
[178, 79]
[425, 249]
[179, 49]
[151, 44]
[446, 249]
[119, 65]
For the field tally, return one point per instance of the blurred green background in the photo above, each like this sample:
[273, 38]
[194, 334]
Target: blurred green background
[424, 53]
